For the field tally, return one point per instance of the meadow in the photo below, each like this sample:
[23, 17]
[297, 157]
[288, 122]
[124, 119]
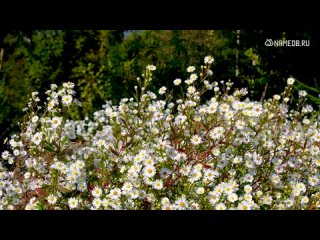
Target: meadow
[154, 151]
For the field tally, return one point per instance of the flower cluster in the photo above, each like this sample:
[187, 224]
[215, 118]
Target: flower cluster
[147, 152]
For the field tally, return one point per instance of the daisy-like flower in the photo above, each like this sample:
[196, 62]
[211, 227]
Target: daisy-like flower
[306, 121]
[208, 59]
[267, 200]
[35, 119]
[73, 203]
[127, 187]
[34, 94]
[149, 171]
[105, 203]
[67, 100]
[216, 133]
[37, 138]
[188, 81]
[248, 178]
[196, 140]
[191, 69]
[218, 189]
[71, 177]
[290, 81]
[240, 124]
[96, 192]
[101, 143]
[5, 155]
[181, 203]
[247, 188]
[301, 187]
[80, 164]
[138, 158]
[151, 67]
[10, 161]
[232, 197]
[302, 93]
[200, 190]
[304, 200]
[224, 107]
[56, 122]
[185, 170]
[96, 203]
[197, 118]
[275, 178]
[247, 197]
[16, 152]
[154, 131]
[276, 97]
[316, 138]
[134, 194]
[216, 152]
[143, 153]
[198, 167]
[177, 81]
[237, 159]
[165, 201]
[213, 197]
[162, 90]
[195, 175]
[313, 180]
[221, 206]
[82, 186]
[193, 77]
[52, 199]
[115, 193]
[244, 206]
[27, 175]
[148, 162]
[148, 181]
[157, 184]
[69, 85]
[288, 203]
[51, 104]
[210, 174]
[296, 192]
[167, 207]
[191, 90]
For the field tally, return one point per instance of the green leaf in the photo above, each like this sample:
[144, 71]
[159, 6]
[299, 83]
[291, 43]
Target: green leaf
[38, 207]
[307, 87]
[49, 147]
[65, 139]
[63, 189]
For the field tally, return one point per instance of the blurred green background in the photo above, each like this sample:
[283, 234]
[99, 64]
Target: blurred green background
[105, 63]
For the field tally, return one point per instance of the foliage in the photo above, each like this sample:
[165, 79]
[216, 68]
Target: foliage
[104, 64]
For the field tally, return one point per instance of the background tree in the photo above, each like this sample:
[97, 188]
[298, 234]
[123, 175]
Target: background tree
[104, 64]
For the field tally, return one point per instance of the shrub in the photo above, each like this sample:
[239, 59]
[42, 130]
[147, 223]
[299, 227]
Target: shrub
[152, 152]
